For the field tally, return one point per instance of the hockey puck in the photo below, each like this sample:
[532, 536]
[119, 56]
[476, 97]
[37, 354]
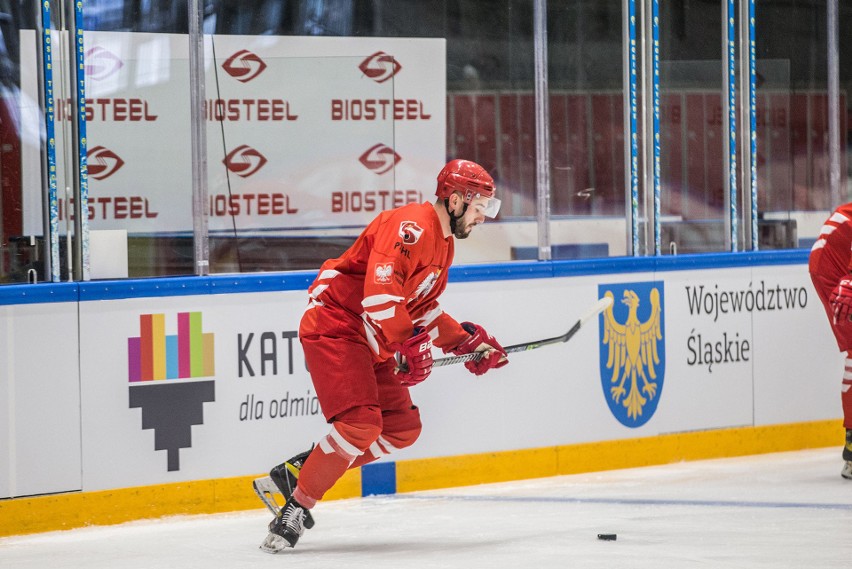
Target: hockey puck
[607, 536]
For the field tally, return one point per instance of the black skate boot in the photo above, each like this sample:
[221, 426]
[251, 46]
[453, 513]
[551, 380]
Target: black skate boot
[286, 475]
[847, 456]
[286, 528]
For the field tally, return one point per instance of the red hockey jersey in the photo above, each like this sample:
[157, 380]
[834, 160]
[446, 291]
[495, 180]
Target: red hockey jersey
[386, 283]
[832, 251]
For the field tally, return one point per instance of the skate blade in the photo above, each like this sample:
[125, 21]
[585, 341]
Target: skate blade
[274, 544]
[266, 489]
[847, 470]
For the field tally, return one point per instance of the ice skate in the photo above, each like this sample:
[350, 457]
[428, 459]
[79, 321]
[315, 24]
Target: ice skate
[282, 479]
[286, 528]
[847, 456]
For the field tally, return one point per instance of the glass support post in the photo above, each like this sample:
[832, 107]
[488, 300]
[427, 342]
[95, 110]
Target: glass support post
[838, 196]
[729, 108]
[79, 180]
[748, 134]
[542, 129]
[631, 130]
[199, 139]
[51, 215]
[655, 112]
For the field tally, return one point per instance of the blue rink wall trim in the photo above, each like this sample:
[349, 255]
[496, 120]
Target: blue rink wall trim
[43, 293]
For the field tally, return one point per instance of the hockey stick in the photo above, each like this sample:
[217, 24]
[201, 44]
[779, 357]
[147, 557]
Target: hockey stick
[596, 309]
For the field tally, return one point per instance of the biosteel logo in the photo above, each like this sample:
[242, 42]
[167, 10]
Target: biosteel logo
[102, 162]
[380, 159]
[380, 67]
[244, 66]
[244, 161]
[101, 63]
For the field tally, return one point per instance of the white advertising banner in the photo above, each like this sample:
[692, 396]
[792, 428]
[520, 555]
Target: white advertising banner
[181, 388]
[303, 132]
[200, 387]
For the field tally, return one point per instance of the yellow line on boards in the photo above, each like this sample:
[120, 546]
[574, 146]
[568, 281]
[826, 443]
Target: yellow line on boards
[79, 509]
[430, 473]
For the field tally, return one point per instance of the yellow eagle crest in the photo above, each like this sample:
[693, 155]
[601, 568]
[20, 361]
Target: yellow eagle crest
[633, 352]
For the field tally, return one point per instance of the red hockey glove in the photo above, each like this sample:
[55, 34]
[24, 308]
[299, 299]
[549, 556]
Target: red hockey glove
[416, 358]
[481, 341]
[841, 302]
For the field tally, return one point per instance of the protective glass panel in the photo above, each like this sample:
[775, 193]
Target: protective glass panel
[139, 154]
[491, 119]
[21, 135]
[137, 117]
[692, 129]
[139, 129]
[303, 152]
[793, 167]
[587, 160]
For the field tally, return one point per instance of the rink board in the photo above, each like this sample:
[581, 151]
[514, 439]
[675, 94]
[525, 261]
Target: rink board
[200, 381]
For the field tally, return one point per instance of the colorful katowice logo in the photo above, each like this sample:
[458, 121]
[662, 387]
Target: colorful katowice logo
[101, 63]
[102, 162]
[380, 159]
[157, 362]
[380, 67]
[633, 350]
[244, 161]
[244, 66]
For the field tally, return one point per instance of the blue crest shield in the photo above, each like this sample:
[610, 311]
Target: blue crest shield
[633, 350]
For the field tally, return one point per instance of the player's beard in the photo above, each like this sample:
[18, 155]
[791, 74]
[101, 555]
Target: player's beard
[463, 231]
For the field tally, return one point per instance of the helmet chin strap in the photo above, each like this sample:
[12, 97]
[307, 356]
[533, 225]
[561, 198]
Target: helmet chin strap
[453, 217]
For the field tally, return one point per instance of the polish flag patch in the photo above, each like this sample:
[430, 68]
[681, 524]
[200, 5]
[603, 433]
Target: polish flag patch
[382, 273]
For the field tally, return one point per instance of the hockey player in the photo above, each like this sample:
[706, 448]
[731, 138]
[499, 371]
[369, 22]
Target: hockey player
[380, 298]
[831, 271]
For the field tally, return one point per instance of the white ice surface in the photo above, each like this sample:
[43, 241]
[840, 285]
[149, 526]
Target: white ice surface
[786, 510]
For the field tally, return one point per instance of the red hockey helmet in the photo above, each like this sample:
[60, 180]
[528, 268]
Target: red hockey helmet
[471, 181]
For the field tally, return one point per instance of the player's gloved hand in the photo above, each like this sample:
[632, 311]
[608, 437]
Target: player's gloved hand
[841, 301]
[415, 358]
[481, 341]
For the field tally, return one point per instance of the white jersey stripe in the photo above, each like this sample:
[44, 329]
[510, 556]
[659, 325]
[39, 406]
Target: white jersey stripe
[329, 445]
[828, 229]
[838, 218]
[377, 451]
[318, 290]
[384, 442]
[377, 299]
[429, 317]
[345, 445]
[380, 315]
[370, 334]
